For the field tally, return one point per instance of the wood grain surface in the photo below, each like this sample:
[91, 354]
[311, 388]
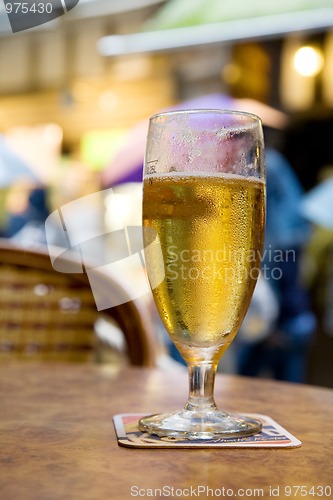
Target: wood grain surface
[57, 439]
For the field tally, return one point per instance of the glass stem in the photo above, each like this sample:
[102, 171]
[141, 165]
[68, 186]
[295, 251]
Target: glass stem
[202, 378]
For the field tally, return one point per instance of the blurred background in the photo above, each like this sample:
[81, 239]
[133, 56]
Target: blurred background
[75, 95]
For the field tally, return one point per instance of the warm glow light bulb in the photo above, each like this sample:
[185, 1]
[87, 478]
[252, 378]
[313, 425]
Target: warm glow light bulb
[308, 61]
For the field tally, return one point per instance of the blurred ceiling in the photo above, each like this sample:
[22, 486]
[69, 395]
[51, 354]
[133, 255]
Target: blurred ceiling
[183, 13]
[186, 23]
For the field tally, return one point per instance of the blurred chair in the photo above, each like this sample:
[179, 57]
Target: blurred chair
[49, 315]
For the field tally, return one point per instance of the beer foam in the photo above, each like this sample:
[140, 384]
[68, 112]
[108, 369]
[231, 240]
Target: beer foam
[203, 175]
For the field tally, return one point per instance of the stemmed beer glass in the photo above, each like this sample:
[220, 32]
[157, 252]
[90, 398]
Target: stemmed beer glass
[203, 220]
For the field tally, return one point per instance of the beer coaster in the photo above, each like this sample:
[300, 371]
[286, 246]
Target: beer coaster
[271, 436]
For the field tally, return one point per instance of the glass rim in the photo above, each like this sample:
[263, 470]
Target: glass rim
[217, 111]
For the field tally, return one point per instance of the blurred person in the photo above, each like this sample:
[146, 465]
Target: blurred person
[24, 153]
[317, 208]
[283, 353]
[27, 209]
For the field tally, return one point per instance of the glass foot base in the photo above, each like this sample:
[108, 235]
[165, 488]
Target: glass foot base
[186, 424]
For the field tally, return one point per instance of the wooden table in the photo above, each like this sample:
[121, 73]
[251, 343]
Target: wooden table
[58, 441]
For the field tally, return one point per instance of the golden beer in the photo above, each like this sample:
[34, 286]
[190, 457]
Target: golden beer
[211, 230]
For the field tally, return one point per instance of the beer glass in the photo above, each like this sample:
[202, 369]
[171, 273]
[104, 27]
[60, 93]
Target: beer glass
[203, 224]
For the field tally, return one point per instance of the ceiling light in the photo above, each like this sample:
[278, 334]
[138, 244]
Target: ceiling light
[308, 61]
